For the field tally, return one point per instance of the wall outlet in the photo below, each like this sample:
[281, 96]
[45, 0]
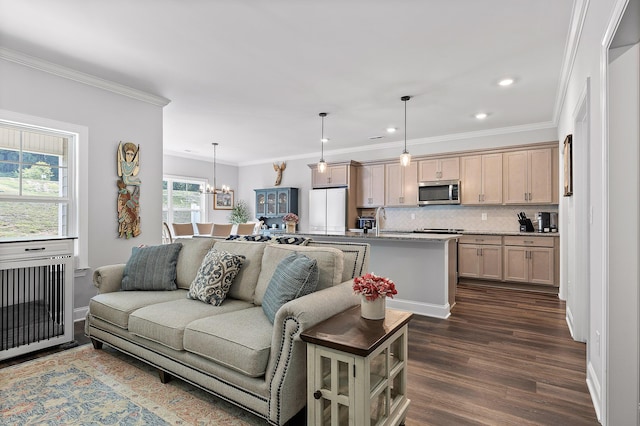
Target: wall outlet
[413, 216]
[484, 216]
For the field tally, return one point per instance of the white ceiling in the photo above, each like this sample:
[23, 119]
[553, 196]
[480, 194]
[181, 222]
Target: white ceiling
[253, 75]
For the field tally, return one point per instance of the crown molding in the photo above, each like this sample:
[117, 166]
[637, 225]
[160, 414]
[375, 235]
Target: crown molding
[80, 77]
[578, 16]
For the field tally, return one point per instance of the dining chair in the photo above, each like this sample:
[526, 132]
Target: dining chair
[246, 228]
[166, 234]
[182, 229]
[204, 228]
[221, 229]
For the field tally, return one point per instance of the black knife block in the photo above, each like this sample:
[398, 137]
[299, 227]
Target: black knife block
[526, 225]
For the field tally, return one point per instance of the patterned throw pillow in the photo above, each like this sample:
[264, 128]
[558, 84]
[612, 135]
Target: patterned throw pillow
[151, 268]
[295, 276]
[215, 276]
[298, 241]
[253, 238]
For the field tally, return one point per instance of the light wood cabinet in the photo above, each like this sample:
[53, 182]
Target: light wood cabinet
[530, 259]
[335, 175]
[401, 184]
[528, 177]
[370, 185]
[481, 179]
[480, 257]
[439, 169]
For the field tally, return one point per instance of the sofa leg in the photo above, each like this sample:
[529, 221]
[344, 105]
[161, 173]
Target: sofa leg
[97, 344]
[164, 376]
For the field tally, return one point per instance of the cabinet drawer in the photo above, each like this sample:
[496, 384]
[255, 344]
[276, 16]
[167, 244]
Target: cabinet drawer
[35, 249]
[494, 240]
[529, 241]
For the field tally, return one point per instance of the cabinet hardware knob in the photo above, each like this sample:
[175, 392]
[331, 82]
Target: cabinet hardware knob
[317, 394]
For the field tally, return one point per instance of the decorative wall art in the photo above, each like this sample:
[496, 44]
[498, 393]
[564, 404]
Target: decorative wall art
[568, 166]
[279, 169]
[223, 200]
[128, 190]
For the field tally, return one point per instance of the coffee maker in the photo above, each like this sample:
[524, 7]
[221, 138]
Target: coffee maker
[547, 221]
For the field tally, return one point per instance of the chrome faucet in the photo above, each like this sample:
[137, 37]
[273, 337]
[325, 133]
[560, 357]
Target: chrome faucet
[378, 223]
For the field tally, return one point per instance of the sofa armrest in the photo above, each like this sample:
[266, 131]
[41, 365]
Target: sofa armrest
[287, 370]
[108, 278]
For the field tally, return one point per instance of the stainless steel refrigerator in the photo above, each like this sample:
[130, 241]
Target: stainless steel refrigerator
[328, 210]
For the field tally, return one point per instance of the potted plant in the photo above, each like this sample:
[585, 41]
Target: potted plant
[239, 213]
[291, 219]
[373, 291]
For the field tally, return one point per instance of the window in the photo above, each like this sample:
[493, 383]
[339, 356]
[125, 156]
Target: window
[36, 184]
[182, 201]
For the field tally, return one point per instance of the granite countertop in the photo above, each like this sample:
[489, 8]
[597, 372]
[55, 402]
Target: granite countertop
[410, 235]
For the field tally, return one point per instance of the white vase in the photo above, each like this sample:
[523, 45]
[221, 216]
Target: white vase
[372, 309]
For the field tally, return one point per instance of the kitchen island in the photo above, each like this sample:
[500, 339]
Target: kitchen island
[423, 267]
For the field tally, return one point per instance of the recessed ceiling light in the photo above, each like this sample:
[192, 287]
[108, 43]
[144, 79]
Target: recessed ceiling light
[324, 140]
[506, 82]
[481, 115]
[391, 129]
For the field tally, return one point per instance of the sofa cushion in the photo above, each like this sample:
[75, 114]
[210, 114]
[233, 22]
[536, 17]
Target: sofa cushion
[116, 307]
[164, 323]
[215, 276]
[152, 268]
[295, 276]
[190, 259]
[330, 265]
[244, 286]
[239, 340]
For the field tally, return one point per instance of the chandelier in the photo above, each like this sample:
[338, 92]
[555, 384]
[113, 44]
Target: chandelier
[214, 189]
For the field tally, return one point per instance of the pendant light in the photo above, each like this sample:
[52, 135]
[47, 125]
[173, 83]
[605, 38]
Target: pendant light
[405, 157]
[214, 190]
[322, 165]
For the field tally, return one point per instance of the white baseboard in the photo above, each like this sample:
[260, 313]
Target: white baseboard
[420, 308]
[569, 318]
[594, 390]
[80, 313]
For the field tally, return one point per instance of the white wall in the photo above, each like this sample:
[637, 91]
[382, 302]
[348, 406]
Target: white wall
[110, 118]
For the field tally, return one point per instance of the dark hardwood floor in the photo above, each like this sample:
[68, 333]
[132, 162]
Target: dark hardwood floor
[504, 357]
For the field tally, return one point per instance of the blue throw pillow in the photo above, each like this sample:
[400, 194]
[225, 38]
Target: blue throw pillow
[152, 268]
[295, 276]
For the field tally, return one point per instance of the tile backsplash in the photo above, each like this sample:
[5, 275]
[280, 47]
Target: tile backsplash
[469, 218]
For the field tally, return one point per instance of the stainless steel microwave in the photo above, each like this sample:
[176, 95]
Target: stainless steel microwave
[441, 192]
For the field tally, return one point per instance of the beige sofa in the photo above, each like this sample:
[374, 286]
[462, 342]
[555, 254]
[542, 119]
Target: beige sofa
[231, 350]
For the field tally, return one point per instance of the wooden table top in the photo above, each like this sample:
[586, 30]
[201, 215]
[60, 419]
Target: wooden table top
[349, 332]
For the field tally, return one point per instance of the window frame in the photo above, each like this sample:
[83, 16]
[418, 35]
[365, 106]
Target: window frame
[170, 179]
[78, 173]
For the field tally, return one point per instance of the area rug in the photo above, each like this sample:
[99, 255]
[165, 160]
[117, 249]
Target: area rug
[84, 386]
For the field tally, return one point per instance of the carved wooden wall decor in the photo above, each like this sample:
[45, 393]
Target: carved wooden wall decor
[279, 169]
[128, 190]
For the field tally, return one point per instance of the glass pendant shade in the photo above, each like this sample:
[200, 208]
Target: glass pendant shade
[405, 159]
[322, 166]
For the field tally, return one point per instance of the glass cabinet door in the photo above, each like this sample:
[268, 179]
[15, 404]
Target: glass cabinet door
[335, 389]
[261, 203]
[283, 202]
[271, 203]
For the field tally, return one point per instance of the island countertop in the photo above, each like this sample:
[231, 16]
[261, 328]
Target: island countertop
[402, 235]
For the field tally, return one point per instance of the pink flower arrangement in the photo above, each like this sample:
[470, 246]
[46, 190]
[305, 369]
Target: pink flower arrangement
[372, 286]
[290, 217]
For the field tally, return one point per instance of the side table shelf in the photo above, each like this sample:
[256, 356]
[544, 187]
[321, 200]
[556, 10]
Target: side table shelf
[357, 369]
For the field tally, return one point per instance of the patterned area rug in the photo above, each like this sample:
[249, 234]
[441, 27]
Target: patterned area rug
[84, 386]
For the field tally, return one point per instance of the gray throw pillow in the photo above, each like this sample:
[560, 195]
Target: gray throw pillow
[215, 276]
[151, 268]
[296, 275]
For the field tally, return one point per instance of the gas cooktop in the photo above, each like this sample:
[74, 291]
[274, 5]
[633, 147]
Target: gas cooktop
[438, 231]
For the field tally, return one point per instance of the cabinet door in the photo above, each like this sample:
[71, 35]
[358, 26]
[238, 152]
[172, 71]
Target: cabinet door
[370, 190]
[261, 203]
[283, 202]
[401, 184]
[490, 262]
[468, 260]
[516, 263]
[271, 203]
[540, 176]
[492, 179]
[471, 181]
[320, 180]
[338, 175]
[541, 265]
[331, 399]
[450, 168]
[515, 177]
[428, 170]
